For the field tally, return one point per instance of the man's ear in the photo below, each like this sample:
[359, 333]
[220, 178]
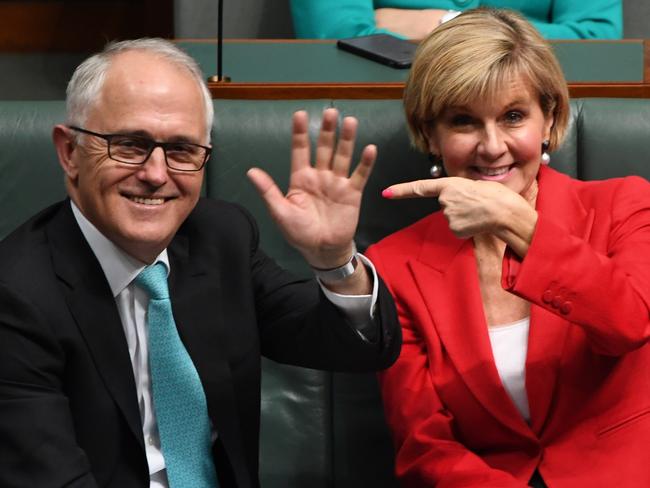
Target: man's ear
[65, 145]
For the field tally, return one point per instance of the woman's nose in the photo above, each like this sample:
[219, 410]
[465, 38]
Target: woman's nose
[492, 144]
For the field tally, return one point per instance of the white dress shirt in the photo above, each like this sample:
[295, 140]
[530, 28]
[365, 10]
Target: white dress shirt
[121, 270]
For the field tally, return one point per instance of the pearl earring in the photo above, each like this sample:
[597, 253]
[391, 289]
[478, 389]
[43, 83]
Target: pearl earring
[436, 167]
[546, 158]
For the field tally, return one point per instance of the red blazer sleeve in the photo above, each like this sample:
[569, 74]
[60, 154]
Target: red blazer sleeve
[427, 453]
[600, 282]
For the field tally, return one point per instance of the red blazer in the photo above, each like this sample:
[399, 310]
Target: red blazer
[587, 277]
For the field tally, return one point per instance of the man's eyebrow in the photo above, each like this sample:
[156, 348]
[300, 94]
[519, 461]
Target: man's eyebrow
[133, 133]
[146, 135]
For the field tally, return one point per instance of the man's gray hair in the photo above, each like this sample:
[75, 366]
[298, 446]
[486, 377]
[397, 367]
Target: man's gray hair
[88, 79]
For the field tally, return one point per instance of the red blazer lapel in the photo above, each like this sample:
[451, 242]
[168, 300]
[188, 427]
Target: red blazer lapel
[446, 276]
[548, 332]
[557, 197]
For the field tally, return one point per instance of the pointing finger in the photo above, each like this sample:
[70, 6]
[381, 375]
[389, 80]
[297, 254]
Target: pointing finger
[415, 189]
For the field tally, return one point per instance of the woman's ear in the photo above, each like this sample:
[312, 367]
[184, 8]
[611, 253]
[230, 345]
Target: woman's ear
[65, 145]
[432, 140]
[548, 125]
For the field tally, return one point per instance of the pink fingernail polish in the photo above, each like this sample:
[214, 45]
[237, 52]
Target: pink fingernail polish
[387, 193]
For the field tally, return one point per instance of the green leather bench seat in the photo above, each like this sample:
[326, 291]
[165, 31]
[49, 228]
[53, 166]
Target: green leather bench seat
[318, 429]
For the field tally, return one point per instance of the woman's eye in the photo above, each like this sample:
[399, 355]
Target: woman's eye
[461, 120]
[514, 117]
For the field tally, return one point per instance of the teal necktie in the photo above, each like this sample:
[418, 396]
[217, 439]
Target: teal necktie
[179, 399]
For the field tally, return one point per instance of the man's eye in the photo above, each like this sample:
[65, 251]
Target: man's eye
[131, 144]
[181, 148]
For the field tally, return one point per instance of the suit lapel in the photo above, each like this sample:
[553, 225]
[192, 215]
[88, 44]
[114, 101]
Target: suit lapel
[446, 276]
[196, 296]
[91, 303]
[548, 331]
[195, 301]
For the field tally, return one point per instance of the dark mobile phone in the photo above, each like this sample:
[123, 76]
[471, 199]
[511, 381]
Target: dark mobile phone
[383, 48]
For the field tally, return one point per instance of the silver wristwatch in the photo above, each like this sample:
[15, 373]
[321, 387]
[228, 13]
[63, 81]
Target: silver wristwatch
[340, 273]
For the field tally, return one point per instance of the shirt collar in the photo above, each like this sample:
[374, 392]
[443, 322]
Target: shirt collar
[119, 267]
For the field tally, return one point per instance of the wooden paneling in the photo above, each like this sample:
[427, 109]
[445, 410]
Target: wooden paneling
[646, 61]
[29, 26]
[297, 91]
[393, 90]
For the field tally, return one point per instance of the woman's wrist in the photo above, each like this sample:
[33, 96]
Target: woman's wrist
[518, 227]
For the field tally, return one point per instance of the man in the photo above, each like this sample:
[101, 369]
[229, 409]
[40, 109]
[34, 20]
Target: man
[100, 383]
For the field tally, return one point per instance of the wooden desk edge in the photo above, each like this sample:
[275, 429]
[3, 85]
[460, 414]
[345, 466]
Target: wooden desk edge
[301, 91]
[388, 91]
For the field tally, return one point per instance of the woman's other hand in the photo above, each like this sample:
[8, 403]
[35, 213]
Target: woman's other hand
[412, 24]
[477, 207]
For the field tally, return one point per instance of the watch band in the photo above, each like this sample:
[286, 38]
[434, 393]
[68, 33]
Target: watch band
[340, 273]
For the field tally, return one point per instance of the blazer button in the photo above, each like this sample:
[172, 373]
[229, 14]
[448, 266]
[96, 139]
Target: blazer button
[557, 301]
[547, 296]
[566, 308]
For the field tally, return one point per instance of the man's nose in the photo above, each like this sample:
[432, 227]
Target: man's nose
[154, 170]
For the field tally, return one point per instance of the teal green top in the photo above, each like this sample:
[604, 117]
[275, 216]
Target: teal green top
[555, 19]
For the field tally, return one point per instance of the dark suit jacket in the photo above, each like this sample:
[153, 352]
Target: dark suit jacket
[68, 407]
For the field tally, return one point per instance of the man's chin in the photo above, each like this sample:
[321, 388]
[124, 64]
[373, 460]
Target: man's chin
[144, 244]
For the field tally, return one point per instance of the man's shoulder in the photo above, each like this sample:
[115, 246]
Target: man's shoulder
[29, 234]
[217, 216]
[216, 229]
[25, 254]
[214, 207]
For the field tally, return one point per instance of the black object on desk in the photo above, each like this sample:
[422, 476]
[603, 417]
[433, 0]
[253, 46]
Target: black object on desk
[383, 48]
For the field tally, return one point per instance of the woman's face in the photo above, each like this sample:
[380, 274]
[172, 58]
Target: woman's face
[495, 140]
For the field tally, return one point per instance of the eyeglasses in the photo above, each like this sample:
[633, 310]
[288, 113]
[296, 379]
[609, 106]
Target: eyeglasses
[130, 149]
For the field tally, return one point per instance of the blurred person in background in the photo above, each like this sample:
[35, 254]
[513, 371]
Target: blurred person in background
[415, 19]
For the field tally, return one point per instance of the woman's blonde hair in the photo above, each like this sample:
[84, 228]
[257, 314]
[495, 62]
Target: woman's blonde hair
[474, 56]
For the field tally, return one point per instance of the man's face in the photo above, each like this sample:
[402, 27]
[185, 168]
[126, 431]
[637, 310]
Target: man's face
[139, 208]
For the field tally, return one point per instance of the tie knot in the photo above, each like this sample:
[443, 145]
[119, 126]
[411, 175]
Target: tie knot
[153, 280]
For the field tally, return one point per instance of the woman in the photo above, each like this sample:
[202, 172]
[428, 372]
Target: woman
[525, 302]
[415, 19]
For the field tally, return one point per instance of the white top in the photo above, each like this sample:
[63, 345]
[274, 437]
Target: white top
[121, 270]
[510, 347]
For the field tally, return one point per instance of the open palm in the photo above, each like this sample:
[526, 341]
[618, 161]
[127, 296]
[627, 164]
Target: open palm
[320, 212]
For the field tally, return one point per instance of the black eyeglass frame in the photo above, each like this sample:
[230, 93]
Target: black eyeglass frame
[154, 144]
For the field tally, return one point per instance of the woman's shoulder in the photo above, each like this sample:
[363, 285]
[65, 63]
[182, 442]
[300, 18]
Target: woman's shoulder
[613, 191]
[596, 189]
